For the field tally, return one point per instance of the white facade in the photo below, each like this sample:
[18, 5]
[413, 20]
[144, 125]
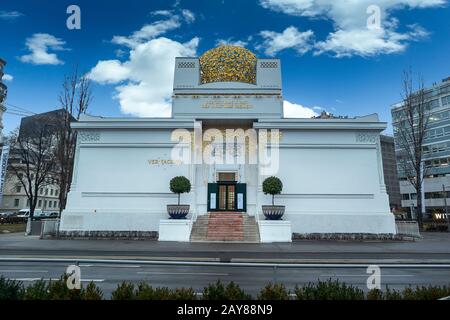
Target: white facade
[331, 169]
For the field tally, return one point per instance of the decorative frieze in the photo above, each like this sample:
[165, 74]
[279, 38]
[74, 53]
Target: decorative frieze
[352, 236]
[269, 64]
[366, 137]
[112, 235]
[88, 136]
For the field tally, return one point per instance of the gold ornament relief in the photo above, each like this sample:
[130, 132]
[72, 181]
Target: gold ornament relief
[228, 64]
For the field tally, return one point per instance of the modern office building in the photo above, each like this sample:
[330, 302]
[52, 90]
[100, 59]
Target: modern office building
[436, 149]
[14, 195]
[331, 168]
[390, 171]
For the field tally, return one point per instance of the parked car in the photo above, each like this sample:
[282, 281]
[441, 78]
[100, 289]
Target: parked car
[46, 214]
[4, 216]
[53, 214]
[10, 217]
[25, 213]
[14, 218]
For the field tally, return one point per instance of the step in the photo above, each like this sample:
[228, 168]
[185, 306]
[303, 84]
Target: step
[225, 227]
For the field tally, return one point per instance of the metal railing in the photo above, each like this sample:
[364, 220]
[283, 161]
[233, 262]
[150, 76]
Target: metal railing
[407, 228]
[230, 264]
[274, 266]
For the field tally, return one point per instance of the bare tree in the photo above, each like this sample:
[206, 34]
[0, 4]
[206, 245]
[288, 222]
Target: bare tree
[32, 159]
[74, 99]
[410, 134]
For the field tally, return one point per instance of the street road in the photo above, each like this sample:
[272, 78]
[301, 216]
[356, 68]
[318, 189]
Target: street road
[108, 276]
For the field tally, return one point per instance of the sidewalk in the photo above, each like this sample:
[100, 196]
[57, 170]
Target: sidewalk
[433, 246]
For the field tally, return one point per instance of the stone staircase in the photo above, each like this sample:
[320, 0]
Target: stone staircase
[225, 227]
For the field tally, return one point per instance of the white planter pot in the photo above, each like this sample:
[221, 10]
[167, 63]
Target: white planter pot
[175, 230]
[275, 231]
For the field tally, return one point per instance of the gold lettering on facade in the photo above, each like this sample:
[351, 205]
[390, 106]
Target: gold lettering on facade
[162, 162]
[226, 104]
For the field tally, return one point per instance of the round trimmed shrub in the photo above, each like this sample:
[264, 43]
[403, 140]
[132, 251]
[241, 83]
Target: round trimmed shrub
[272, 186]
[180, 185]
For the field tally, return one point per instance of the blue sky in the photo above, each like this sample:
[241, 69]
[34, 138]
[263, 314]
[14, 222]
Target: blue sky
[330, 58]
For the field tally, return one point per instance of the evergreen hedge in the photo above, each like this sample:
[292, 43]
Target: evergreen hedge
[321, 290]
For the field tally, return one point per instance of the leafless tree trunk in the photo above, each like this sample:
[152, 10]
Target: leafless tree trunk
[74, 99]
[410, 134]
[32, 159]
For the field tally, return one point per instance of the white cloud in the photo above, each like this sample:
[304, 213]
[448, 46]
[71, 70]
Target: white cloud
[188, 15]
[7, 77]
[174, 19]
[165, 13]
[289, 38]
[351, 36]
[148, 89]
[39, 45]
[109, 71]
[232, 42]
[293, 110]
[144, 81]
[10, 15]
[369, 42]
[148, 32]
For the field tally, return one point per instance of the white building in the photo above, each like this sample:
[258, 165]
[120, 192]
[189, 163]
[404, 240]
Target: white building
[15, 197]
[331, 169]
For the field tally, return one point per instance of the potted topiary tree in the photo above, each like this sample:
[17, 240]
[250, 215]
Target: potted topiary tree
[179, 185]
[273, 186]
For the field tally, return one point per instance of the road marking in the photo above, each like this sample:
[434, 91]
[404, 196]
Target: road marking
[34, 279]
[55, 279]
[31, 271]
[92, 280]
[184, 273]
[108, 266]
[365, 276]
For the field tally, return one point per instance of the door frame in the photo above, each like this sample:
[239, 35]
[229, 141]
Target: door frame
[213, 188]
[226, 184]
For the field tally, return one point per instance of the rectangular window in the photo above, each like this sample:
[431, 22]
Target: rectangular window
[226, 176]
[40, 203]
[445, 89]
[446, 100]
[18, 189]
[51, 192]
[16, 203]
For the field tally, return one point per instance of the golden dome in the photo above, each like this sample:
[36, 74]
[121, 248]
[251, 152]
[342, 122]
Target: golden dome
[228, 64]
